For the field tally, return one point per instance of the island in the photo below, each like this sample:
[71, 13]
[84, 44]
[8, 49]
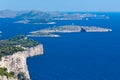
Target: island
[42, 34]
[94, 29]
[50, 31]
[35, 21]
[13, 55]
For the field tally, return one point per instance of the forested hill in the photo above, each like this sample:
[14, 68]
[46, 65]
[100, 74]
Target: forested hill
[15, 44]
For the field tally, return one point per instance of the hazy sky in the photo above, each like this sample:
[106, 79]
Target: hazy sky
[61, 5]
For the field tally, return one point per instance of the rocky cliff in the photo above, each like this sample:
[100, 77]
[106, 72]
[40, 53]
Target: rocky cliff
[17, 62]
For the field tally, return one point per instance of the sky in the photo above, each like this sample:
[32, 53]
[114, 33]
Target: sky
[62, 5]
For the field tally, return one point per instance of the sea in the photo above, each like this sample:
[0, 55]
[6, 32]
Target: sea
[73, 56]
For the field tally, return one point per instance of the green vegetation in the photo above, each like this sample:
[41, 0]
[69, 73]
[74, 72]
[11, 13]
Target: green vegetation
[9, 50]
[3, 72]
[22, 41]
[15, 44]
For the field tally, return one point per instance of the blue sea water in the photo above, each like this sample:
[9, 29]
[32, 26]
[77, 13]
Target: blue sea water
[76, 56]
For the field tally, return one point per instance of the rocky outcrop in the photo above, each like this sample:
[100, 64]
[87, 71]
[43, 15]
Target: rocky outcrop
[5, 78]
[17, 61]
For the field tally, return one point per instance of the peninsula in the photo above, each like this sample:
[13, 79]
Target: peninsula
[49, 32]
[13, 55]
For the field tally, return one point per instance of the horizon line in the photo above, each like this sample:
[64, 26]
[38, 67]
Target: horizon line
[53, 11]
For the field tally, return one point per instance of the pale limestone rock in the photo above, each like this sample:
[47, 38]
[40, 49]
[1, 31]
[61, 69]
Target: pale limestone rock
[5, 78]
[17, 61]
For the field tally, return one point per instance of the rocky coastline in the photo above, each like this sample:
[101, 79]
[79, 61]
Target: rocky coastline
[17, 62]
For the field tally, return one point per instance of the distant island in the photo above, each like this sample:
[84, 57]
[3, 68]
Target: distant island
[49, 32]
[13, 55]
[54, 15]
[35, 21]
